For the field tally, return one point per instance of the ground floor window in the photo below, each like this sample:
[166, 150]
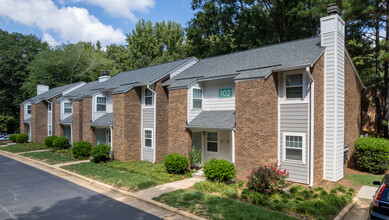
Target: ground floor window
[212, 142]
[148, 138]
[50, 130]
[294, 144]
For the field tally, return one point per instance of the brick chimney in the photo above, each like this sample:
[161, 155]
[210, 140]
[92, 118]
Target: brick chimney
[41, 88]
[104, 76]
[332, 38]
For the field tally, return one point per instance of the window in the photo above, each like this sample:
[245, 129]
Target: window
[49, 106]
[29, 109]
[197, 98]
[294, 145]
[101, 104]
[148, 97]
[148, 138]
[212, 142]
[68, 107]
[50, 131]
[294, 86]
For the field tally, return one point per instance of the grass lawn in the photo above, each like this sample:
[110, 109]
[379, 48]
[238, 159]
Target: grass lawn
[25, 147]
[49, 157]
[155, 171]
[364, 179]
[3, 143]
[215, 207]
[112, 176]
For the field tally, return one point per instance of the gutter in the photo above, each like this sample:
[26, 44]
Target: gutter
[155, 119]
[110, 130]
[312, 119]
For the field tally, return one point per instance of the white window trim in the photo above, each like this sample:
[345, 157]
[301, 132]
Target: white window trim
[303, 135]
[218, 142]
[106, 101]
[202, 98]
[144, 98]
[144, 138]
[50, 130]
[27, 109]
[51, 107]
[303, 99]
[64, 108]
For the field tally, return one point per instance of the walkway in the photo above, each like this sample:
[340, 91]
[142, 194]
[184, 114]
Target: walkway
[361, 208]
[70, 163]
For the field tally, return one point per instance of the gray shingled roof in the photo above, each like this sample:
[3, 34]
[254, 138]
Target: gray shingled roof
[28, 120]
[84, 91]
[50, 94]
[214, 119]
[254, 63]
[103, 121]
[67, 120]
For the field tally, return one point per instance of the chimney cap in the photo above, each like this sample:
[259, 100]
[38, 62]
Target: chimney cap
[332, 9]
[105, 73]
[42, 82]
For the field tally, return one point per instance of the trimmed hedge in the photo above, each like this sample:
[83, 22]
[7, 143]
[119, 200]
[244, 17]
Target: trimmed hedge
[219, 170]
[372, 154]
[49, 141]
[21, 138]
[81, 149]
[176, 163]
[12, 137]
[61, 142]
[100, 153]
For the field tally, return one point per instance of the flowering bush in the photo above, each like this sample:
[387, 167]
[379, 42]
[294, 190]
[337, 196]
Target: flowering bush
[267, 179]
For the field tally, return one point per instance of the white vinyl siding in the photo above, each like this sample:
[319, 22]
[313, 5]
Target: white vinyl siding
[148, 124]
[63, 113]
[109, 104]
[224, 147]
[49, 119]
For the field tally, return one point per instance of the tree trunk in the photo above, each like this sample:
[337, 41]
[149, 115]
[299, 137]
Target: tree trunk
[386, 65]
[378, 75]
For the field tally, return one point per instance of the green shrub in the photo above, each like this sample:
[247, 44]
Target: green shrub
[372, 154]
[219, 170]
[81, 149]
[61, 143]
[12, 137]
[100, 153]
[176, 163]
[49, 141]
[194, 157]
[267, 179]
[21, 138]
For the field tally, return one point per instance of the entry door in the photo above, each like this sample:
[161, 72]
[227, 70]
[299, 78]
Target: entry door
[67, 132]
[108, 135]
[196, 140]
[28, 132]
[101, 135]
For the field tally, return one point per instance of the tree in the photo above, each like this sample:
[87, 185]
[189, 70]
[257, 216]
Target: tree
[16, 52]
[4, 121]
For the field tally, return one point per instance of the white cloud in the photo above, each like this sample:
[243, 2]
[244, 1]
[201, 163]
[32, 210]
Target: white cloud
[121, 8]
[50, 39]
[69, 23]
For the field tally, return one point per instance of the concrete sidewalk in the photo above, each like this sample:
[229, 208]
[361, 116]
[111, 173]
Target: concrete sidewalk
[70, 163]
[360, 210]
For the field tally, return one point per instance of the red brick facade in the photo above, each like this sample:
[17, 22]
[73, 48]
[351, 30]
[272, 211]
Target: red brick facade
[88, 132]
[126, 125]
[38, 122]
[77, 125]
[57, 131]
[23, 129]
[162, 123]
[256, 104]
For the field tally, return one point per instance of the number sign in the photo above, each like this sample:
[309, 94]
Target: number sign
[225, 93]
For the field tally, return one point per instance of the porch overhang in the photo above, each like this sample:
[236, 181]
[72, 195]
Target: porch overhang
[67, 121]
[103, 122]
[27, 121]
[216, 120]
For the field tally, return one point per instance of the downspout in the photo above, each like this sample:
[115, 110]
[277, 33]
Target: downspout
[311, 133]
[110, 130]
[233, 145]
[155, 127]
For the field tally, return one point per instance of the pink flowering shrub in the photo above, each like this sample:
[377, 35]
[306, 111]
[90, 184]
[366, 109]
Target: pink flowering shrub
[267, 179]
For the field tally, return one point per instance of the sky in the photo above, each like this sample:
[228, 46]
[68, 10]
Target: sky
[63, 21]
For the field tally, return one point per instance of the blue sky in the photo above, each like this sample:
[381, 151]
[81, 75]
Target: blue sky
[61, 21]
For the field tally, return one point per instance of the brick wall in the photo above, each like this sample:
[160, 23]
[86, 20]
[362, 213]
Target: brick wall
[57, 118]
[77, 120]
[179, 137]
[23, 129]
[352, 111]
[127, 125]
[318, 76]
[256, 116]
[162, 123]
[88, 132]
[54, 108]
[38, 122]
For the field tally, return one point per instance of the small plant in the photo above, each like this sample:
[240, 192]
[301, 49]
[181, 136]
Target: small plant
[81, 149]
[372, 154]
[267, 179]
[61, 143]
[194, 157]
[12, 137]
[219, 170]
[21, 138]
[100, 153]
[176, 163]
[49, 141]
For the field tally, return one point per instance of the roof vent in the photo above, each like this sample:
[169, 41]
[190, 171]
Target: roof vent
[104, 76]
[332, 9]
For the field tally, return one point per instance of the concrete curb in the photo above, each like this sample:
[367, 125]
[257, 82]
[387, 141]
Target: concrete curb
[34, 151]
[346, 209]
[98, 183]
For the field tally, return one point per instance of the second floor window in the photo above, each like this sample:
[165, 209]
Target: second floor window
[148, 97]
[197, 98]
[29, 109]
[68, 107]
[294, 86]
[101, 104]
[49, 106]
